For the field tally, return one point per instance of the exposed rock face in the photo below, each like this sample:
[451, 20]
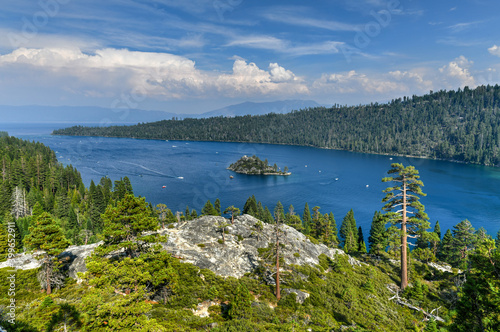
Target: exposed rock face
[21, 262]
[73, 259]
[301, 296]
[75, 256]
[443, 267]
[197, 242]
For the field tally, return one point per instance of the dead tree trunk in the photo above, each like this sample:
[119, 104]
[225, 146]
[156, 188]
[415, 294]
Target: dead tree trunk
[404, 262]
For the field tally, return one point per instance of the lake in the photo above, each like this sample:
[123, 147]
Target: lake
[193, 172]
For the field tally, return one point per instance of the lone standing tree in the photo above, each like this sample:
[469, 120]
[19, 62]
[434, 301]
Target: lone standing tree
[404, 198]
[47, 236]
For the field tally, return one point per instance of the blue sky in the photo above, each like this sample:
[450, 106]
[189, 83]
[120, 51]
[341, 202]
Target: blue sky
[195, 56]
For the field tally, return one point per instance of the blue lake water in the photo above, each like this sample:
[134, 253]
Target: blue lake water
[337, 181]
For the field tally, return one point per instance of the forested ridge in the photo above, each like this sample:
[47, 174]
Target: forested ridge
[462, 125]
[144, 288]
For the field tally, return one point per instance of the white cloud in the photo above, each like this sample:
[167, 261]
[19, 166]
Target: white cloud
[159, 75]
[457, 73]
[249, 79]
[464, 26]
[494, 50]
[261, 42]
[280, 74]
[354, 82]
[285, 46]
[298, 19]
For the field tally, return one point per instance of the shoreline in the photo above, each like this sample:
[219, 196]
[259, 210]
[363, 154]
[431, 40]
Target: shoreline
[305, 145]
[266, 174]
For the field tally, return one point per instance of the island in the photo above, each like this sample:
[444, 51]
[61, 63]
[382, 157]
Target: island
[254, 166]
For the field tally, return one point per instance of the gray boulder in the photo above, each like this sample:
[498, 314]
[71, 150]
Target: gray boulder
[199, 242]
[300, 296]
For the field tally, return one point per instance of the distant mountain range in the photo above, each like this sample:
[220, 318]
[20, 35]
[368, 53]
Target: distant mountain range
[280, 107]
[92, 115]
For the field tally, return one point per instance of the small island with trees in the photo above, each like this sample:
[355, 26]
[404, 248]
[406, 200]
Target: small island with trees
[254, 166]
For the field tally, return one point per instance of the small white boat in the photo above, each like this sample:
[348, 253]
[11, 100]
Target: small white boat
[367, 186]
[336, 179]
[181, 177]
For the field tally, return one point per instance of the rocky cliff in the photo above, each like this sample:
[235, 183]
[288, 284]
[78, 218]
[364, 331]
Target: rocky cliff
[200, 242]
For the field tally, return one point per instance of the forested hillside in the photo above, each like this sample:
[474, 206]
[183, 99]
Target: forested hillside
[458, 125]
[144, 288]
[32, 181]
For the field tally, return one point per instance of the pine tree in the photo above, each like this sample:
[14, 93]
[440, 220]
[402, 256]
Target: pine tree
[217, 207]
[37, 210]
[317, 223]
[463, 242]
[279, 213]
[63, 205]
[268, 217]
[361, 241]
[119, 189]
[250, 206]
[4, 240]
[333, 227]
[234, 211]
[347, 234]
[128, 186]
[403, 198]
[187, 214]
[170, 217]
[208, 209]
[479, 297]
[306, 219]
[437, 229]
[434, 242]
[47, 236]
[329, 231]
[125, 223]
[260, 211]
[378, 236]
[445, 252]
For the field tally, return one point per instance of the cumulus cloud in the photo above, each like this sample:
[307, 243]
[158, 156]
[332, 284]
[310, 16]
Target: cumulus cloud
[494, 50]
[280, 74]
[250, 77]
[457, 73]
[160, 75]
[379, 86]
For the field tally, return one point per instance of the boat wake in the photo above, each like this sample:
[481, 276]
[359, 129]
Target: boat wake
[154, 173]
